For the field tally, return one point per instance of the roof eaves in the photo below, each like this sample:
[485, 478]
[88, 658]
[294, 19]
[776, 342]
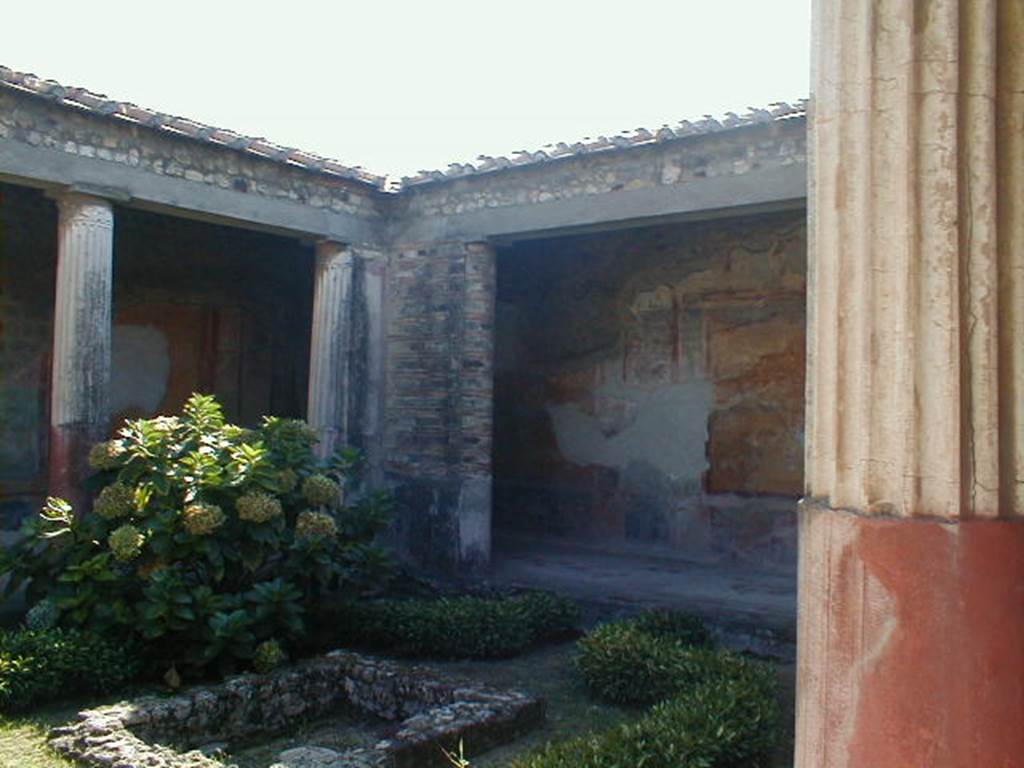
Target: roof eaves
[637, 137]
[94, 103]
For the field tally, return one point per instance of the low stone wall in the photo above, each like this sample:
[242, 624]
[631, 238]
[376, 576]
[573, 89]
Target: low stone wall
[429, 713]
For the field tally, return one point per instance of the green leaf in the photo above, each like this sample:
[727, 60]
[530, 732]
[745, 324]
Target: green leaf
[185, 578]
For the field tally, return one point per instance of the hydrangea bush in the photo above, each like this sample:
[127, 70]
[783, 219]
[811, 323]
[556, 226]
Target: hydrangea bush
[207, 544]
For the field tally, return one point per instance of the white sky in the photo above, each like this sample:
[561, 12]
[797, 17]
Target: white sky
[403, 85]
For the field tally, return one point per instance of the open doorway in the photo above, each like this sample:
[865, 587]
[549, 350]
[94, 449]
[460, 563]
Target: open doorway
[649, 392]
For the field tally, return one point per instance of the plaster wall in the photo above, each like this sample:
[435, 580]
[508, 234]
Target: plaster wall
[219, 309]
[649, 387]
[28, 247]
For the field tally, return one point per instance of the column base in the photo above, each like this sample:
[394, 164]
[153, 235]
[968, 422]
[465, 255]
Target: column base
[911, 642]
[69, 463]
[443, 526]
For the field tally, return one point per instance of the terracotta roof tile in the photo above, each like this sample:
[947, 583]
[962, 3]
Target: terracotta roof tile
[485, 164]
[627, 139]
[101, 105]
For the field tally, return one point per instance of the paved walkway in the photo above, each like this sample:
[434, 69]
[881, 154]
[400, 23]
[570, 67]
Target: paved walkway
[752, 609]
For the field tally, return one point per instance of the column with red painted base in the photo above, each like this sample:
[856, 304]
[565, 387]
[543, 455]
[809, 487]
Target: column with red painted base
[911, 626]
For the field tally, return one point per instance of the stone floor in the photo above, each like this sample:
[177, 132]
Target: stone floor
[752, 609]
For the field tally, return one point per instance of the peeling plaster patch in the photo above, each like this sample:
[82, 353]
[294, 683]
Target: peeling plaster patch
[475, 520]
[882, 603]
[659, 298]
[141, 369]
[873, 630]
[667, 429]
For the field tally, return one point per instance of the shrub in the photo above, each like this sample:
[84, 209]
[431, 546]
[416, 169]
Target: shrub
[43, 615]
[728, 720]
[684, 627]
[207, 539]
[623, 665]
[36, 666]
[458, 627]
[269, 656]
[646, 659]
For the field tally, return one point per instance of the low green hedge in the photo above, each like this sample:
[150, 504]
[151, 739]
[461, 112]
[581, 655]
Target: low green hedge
[456, 627]
[646, 659]
[674, 625]
[713, 708]
[728, 720]
[42, 665]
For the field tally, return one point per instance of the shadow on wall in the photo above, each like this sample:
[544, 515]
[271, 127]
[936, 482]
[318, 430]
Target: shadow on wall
[28, 248]
[649, 388]
[209, 308]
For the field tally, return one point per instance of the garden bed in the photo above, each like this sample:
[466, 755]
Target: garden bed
[421, 711]
[546, 672]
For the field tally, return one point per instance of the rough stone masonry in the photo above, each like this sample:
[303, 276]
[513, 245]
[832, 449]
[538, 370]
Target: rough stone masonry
[427, 714]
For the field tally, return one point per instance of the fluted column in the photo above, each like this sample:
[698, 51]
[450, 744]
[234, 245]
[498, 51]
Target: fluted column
[330, 346]
[80, 373]
[911, 625]
[373, 293]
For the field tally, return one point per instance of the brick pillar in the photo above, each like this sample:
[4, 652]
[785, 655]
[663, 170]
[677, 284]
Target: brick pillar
[911, 623]
[474, 377]
[80, 377]
[327, 408]
[439, 405]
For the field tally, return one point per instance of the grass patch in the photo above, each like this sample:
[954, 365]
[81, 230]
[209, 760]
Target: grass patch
[23, 741]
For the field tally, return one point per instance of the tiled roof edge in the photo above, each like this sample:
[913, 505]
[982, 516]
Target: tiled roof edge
[99, 104]
[777, 112]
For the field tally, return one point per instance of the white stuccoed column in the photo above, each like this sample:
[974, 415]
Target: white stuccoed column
[80, 378]
[373, 288]
[329, 358]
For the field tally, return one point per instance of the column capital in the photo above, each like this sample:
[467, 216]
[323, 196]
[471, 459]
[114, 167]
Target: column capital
[90, 193]
[330, 252]
[82, 209]
[327, 247]
[329, 244]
